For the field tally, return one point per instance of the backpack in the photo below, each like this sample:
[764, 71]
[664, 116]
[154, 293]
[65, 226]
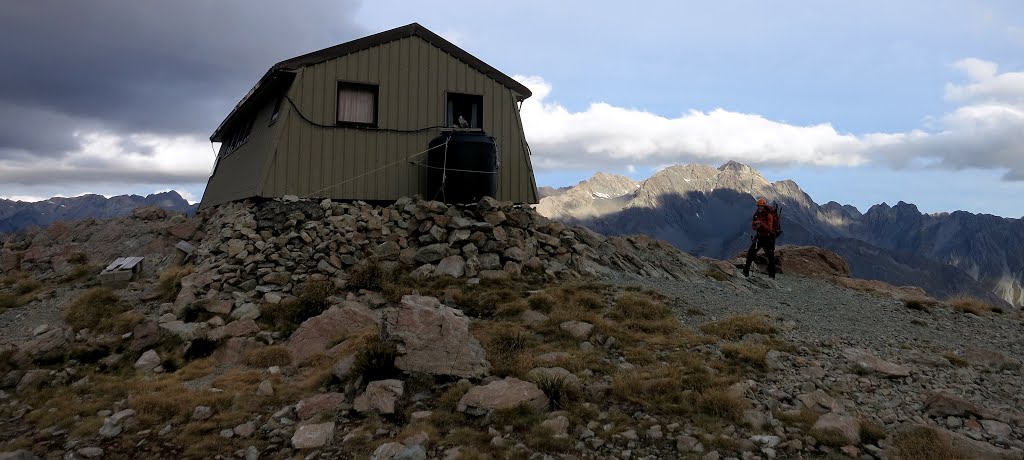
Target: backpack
[767, 224]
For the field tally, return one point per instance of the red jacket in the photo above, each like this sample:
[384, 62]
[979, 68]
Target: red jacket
[766, 222]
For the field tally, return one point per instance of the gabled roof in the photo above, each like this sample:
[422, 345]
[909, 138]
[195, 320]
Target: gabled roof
[289, 66]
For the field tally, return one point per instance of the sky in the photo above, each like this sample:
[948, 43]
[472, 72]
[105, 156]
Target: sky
[858, 102]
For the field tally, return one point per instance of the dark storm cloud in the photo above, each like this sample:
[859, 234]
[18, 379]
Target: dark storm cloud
[128, 66]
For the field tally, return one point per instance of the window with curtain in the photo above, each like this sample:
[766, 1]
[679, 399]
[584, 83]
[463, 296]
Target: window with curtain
[357, 104]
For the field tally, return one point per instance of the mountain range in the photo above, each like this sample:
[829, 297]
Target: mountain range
[706, 211]
[15, 215]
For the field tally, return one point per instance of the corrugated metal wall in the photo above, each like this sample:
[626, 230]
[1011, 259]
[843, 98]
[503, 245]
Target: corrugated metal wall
[239, 173]
[413, 77]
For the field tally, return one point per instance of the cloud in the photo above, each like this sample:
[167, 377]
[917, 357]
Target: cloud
[624, 136]
[106, 157]
[144, 66]
[985, 131]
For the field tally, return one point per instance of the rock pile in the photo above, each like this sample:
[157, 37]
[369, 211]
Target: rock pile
[262, 252]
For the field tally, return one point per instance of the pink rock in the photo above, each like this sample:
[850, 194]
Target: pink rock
[875, 364]
[49, 344]
[313, 435]
[184, 230]
[317, 334]
[318, 404]
[847, 427]
[435, 339]
[241, 328]
[943, 403]
[381, 395]
[502, 394]
[578, 329]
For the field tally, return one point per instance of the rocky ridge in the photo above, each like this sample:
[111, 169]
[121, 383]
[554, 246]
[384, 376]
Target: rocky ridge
[706, 212]
[824, 360]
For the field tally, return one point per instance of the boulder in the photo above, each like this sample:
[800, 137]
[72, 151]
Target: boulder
[453, 266]
[318, 404]
[845, 426]
[313, 436]
[149, 213]
[339, 322]
[434, 339]
[818, 399]
[944, 403]
[978, 356]
[148, 361]
[502, 394]
[578, 329]
[875, 364]
[381, 396]
[431, 253]
[48, 345]
[241, 328]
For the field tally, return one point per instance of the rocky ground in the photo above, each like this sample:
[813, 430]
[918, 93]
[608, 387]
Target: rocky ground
[304, 329]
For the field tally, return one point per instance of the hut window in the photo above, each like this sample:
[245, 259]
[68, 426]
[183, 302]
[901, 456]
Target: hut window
[241, 135]
[468, 106]
[277, 110]
[357, 104]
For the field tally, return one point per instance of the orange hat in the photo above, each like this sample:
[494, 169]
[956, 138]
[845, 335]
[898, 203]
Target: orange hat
[762, 202]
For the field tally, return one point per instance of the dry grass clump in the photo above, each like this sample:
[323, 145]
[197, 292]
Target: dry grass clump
[541, 301]
[371, 276]
[737, 326]
[483, 301]
[95, 309]
[170, 282]
[27, 286]
[830, 437]
[506, 345]
[916, 305]
[641, 312]
[923, 443]
[559, 389]
[8, 300]
[274, 355]
[871, 432]
[804, 419]
[955, 359]
[286, 316]
[967, 304]
[720, 402]
[752, 353]
[375, 361]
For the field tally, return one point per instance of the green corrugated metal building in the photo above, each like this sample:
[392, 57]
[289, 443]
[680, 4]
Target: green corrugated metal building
[351, 122]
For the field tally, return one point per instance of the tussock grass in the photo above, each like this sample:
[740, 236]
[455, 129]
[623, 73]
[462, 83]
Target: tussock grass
[370, 276]
[736, 326]
[752, 353]
[289, 314]
[871, 432]
[923, 443]
[721, 403]
[955, 359]
[541, 301]
[78, 258]
[559, 390]
[830, 437]
[170, 282]
[804, 419]
[27, 286]
[274, 355]
[375, 361]
[967, 304]
[506, 345]
[916, 305]
[94, 310]
[8, 300]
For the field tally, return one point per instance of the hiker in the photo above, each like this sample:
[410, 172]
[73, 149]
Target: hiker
[767, 227]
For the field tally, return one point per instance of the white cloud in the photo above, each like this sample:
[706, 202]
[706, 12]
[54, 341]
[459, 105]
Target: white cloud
[104, 157]
[986, 131]
[30, 199]
[630, 136]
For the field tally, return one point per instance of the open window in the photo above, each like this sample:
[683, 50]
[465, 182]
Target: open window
[470, 107]
[240, 135]
[357, 104]
[277, 110]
